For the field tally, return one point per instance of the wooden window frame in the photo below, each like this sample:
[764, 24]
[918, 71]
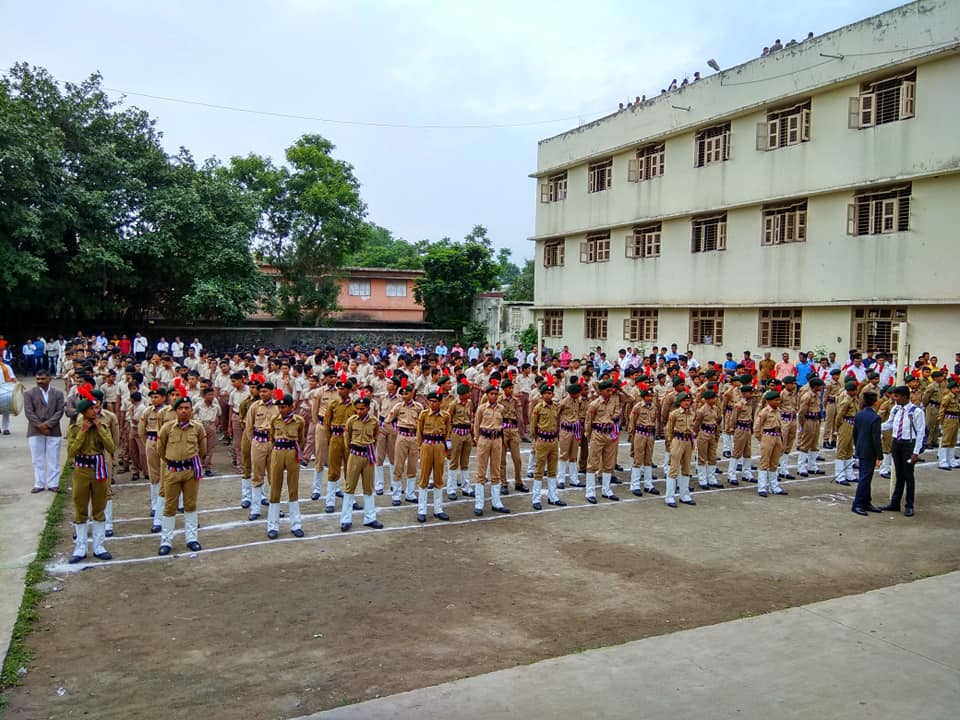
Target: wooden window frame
[554, 189]
[649, 163]
[596, 320]
[712, 145]
[553, 323]
[699, 316]
[554, 253]
[352, 284]
[699, 226]
[596, 248]
[863, 319]
[768, 317]
[396, 285]
[600, 175]
[880, 211]
[643, 325]
[889, 99]
[784, 224]
[644, 242]
[784, 127]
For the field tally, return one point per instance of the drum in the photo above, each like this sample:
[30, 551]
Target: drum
[11, 398]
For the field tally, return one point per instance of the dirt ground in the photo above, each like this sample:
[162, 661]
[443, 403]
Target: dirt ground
[278, 629]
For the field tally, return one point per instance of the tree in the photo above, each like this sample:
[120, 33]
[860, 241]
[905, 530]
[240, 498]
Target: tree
[379, 248]
[522, 286]
[454, 272]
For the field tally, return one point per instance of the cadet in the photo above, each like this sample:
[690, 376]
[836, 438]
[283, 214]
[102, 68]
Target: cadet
[831, 393]
[643, 426]
[788, 422]
[948, 418]
[603, 433]
[886, 436]
[768, 428]
[488, 434]
[679, 437]
[386, 438]
[706, 422]
[88, 441]
[259, 419]
[151, 421]
[808, 410]
[246, 463]
[181, 445]
[433, 439]
[112, 422]
[932, 394]
[405, 415]
[743, 413]
[318, 407]
[545, 426]
[511, 439]
[461, 442]
[339, 410]
[360, 433]
[572, 410]
[288, 432]
[846, 411]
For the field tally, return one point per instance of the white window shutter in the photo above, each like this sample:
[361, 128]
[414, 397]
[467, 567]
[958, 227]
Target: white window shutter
[633, 170]
[853, 113]
[768, 229]
[584, 252]
[631, 246]
[793, 129]
[773, 134]
[762, 136]
[851, 219]
[868, 110]
[722, 235]
[544, 192]
[804, 125]
[908, 99]
[801, 225]
[591, 181]
[888, 213]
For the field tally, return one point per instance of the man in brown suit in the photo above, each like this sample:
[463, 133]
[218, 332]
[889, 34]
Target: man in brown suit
[43, 406]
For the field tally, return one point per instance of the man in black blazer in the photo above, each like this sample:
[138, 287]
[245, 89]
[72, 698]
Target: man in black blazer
[869, 451]
[43, 406]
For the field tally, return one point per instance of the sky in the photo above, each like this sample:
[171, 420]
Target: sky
[521, 70]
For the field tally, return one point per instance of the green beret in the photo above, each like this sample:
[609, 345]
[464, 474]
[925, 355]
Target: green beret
[951, 383]
[815, 382]
[433, 395]
[681, 397]
[574, 388]
[709, 394]
[746, 378]
[746, 388]
[606, 384]
[98, 394]
[462, 389]
[545, 388]
[771, 395]
[710, 372]
[329, 371]
[287, 399]
[646, 392]
[850, 385]
[362, 401]
[789, 379]
[348, 384]
[268, 385]
[491, 388]
[871, 375]
[835, 372]
[506, 383]
[890, 388]
[158, 391]
[934, 374]
[180, 401]
[83, 405]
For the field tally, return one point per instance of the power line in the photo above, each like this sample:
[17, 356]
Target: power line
[338, 121]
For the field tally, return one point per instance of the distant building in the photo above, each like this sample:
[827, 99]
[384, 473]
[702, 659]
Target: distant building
[504, 319]
[804, 199]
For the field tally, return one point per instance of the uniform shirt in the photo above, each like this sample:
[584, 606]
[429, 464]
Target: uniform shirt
[572, 409]
[706, 415]
[767, 420]
[338, 412]
[461, 413]
[361, 432]
[178, 442]
[601, 411]
[644, 413]
[744, 410]
[788, 401]
[291, 427]
[259, 416]
[524, 383]
[151, 420]
[96, 441]
[406, 414]
[433, 423]
[387, 404]
[322, 398]
[932, 394]
[489, 417]
[545, 417]
[949, 404]
[207, 413]
[809, 405]
[510, 409]
[680, 421]
[907, 423]
[846, 408]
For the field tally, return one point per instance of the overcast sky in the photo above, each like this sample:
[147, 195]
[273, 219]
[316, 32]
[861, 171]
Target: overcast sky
[440, 62]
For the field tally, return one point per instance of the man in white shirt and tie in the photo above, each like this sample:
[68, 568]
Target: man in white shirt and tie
[908, 426]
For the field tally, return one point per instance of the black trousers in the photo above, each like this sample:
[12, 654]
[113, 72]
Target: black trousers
[902, 451]
[864, 478]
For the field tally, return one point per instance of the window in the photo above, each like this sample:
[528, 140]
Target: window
[784, 224]
[553, 252]
[713, 145]
[645, 241]
[596, 248]
[595, 325]
[553, 323]
[647, 164]
[883, 101]
[641, 326]
[709, 233]
[554, 189]
[396, 288]
[600, 176]
[783, 127]
[879, 211]
[877, 328]
[514, 319]
[359, 288]
[706, 327]
[779, 327]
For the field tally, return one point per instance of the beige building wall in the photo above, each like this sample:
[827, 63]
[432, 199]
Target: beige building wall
[828, 274]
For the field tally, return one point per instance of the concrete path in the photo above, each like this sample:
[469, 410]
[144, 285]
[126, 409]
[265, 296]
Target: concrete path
[24, 516]
[889, 653]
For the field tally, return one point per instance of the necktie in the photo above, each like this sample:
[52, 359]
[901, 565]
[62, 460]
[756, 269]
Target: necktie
[900, 427]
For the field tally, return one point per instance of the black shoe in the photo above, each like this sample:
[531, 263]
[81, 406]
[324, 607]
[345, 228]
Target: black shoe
[558, 503]
[330, 508]
[345, 526]
[314, 496]
[781, 491]
[356, 506]
[504, 490]
[103, 556]
[618, 468]
[375, 524]
[395, 503]
[908, 512]
[820, 458]
[592, 500]
[890, 508]
[803, 474]
[379, 492]
[671, 505]
[714, 485]
[762, 493]
[108, 533]
[297, 533]
[733, 482]
[691, 501]
[414, 500]
[522, 488]
[245, 504]
[859, 511]
[752, 480]
[208, 472]
[637, 492]
[155, 528]
[272, 534]
[477, 512]
[468, 493]
[502, 509]
[817, 472]
[194, 546]
[441, 516]
[264, 502]
[873, 508]
[339, 493]
[560, 485]
[77, 558]
[651, 491]
[530, 474]
[253, 516]
[180, 509]
[739, 467]
[164, 550]
[843, 482]
[421, 517]
[611, 497]
[614, 480]
[578, 484]
[537, 506]
[727, 454]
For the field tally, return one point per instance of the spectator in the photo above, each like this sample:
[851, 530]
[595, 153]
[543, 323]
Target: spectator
[39, 353]
[176, 350]
[473, 352]
[54, 348]
[777, 45]
[197, 346]
[29, 351]
[498, 352]
[6, 375]
[139, 347]
[100, 341]
[43, 406]
[126, 347]
[163, 347]
[729, 365]
[692, 362]
[566, 356]
[784, 368]
[673, 354]
[804, 369]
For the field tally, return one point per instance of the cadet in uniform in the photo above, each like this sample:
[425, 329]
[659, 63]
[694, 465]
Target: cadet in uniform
[572, 411]
[360, 434]
[768, 428]
[679, 437]
[405, 414]
[729, 399]
[208, 414]
[831, 394]
[932, 394]
[947, 420]
[338, 411]
[545, 427]
[743, 413]
[642, 426]
[808, 410]
[603, 433]
[288, 433]
[180, 445]
[461, 442]
[846, 411]
[488, 435]
[246, 463]
[433, 439]
[151, 421]
[511, 439]
[386, 438]
[788, 421]
[706, 423]
[88, 442]
[321, 400]
[259, 418]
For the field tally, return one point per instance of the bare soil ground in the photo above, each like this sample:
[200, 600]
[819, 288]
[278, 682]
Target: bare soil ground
[274, 629]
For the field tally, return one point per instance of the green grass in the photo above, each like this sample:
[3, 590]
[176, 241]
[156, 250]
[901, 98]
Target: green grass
[19, 655]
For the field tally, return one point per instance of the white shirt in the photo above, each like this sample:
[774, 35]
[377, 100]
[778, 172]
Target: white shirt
[163, 346]
[176, 349]
[907, 423]
[888, 374]
[140, 344]
[197, 347]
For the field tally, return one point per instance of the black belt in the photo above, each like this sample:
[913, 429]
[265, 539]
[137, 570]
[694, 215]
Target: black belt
[406, 432]
[683, 436]
[743, 425]
[433, 438]
[775, 433]
[491, 434]
[546, 436]
[811, 416]
[285, 444]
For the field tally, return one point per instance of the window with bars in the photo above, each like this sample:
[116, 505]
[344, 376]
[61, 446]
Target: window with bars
[877, 328]
[359, 288]
[779, 327]
[884, 101]
[785, 223]
[706, 327]
[641, 326]
[600, 176]
[709, 233]
[879, 211]
[514, 319]
[396, 288]
[785, 126]
[553, 253]
[647, 164]
[595, 325]
[596, 248]
[553, 323]
[645, 241]
[712, 145]
[554, 189]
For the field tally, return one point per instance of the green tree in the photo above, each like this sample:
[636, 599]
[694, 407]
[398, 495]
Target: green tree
[379, 248]
[522, 286]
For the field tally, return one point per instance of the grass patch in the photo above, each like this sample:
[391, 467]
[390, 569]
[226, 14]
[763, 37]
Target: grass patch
[18, 655]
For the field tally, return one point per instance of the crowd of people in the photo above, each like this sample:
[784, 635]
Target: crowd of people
[406, 420]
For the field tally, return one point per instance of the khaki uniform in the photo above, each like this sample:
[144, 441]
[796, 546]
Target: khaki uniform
[361, 438]
[511, 441]
[846, 411]
[808, 412]
[788, 421]
[91, 478]
[433, 433]
[949, 419]
[545, 427]
[643, 426]
[181, 448]
[461, 443]
[288, 435]
[831, 393]
[768, 429]
[321, 400]
[932, 395]
[246, 462]
[488, 431]
[406, 415]
[209, 417]
[387, 437]
[679, 438]
[335, 422]
[258, 422]
[603, 434]
[706, 425]
[743, 414]
[572, 410]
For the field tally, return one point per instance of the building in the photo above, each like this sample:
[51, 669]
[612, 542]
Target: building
[370, 297]
[805, 199]
[504, 319]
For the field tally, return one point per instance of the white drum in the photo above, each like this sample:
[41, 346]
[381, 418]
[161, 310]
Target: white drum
[11, 398]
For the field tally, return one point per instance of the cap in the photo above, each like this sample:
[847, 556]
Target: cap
[434, 396]
[935, 374]
[462, 389]
[490, 388]
[606, 384]
[850, 385]
[287, 399]
[709, 395]
[180, 401]
[681, 397]
[545, 388]
[789, 379]
[362, 401]
[98, 394]
[771, 395]
[329, 371]
[573, 388]
[646, 392]
[83, 405]
[506, 384]
[815, 382]
[266, 385]
[746, 388]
